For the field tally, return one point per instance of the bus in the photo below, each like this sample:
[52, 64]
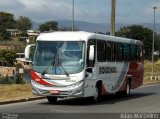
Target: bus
[84, 64]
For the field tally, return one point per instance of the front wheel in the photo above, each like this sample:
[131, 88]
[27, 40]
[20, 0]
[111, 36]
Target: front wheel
[52, 99]
[95, 97]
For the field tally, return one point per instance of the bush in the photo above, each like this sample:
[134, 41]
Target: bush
[11, 80]
[19, 79]
[7, 80]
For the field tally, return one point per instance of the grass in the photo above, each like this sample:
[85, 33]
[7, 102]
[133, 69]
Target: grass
[148, 71]
[17, 91]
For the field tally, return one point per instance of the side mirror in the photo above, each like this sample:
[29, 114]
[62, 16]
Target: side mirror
[27, 51]
[91, 52]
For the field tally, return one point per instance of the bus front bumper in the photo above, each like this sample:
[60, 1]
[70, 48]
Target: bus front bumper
[65, 91]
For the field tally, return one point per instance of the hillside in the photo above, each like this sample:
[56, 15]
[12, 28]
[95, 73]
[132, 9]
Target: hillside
[95, 27]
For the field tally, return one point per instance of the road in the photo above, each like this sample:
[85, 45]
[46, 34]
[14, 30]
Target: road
[145, 99]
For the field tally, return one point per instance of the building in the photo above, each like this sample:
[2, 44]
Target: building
[21, 60]
[5, 69]
[13, 32]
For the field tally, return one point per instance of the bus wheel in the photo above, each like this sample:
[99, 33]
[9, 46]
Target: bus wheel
[52, 99]
[95, 97]
[126, 92]
[128, 88]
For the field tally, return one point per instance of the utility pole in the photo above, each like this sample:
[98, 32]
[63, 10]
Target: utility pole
[154, 9]
[112, 25]
[72, 15]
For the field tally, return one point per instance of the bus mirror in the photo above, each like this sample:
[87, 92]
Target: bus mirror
[27, 51]
[91, 52]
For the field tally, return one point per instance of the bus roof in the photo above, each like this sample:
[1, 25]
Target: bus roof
[83, 36]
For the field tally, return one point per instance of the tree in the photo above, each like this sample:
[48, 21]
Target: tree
[6, 22]
[23, 23]
[140, 33]
[8, 56]
[49, 26]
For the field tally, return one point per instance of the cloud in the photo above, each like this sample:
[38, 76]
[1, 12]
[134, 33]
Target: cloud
[127, 11]
[44, 10]
[41, 10]
[148, 11]
[8, 5]
[38, 10]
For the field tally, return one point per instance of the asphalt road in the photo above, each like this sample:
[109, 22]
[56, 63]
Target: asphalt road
[145, 99]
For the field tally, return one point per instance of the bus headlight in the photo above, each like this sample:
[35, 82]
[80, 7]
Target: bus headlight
[77, 84]
[36, 84]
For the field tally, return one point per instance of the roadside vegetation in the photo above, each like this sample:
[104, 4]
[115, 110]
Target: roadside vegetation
[15, 91]
[148, 71]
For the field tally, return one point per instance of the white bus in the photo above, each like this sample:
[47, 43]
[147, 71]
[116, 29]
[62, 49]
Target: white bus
[83, 64]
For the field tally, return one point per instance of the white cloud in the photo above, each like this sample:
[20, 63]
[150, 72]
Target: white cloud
[8, 5]
[148, 11]
[44, 10]
[38, 10]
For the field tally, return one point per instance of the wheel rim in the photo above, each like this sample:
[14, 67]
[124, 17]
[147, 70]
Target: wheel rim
[128, 89]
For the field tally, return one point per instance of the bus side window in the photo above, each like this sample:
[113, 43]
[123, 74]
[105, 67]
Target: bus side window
[89, 62]
[139, 53]
[101, 51]
[110, 51]
[126, 53]
[119, 52]
[133, 53]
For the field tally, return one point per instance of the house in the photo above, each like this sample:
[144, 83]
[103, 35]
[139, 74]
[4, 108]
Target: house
[5, 69]
[32, 34]
[13, 32]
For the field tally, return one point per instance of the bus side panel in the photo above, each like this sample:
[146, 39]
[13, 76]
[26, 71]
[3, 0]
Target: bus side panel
[136, 73]
[89, 88]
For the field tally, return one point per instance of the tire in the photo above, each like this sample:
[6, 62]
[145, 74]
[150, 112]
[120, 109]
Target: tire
[95, 97]
[52, 99]
[128, 89]
[126, 92]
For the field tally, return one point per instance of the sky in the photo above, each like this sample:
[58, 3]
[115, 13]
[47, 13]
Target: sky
[94, 11]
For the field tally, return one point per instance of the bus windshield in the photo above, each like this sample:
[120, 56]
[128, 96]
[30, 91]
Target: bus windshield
[59, 57]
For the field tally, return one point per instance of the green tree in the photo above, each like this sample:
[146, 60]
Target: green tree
[6, 22]
[8, 56]
[140, 33]
[49, 26]
[24, 23]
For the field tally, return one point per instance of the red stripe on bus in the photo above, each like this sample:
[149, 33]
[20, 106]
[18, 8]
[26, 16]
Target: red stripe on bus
[39, 80]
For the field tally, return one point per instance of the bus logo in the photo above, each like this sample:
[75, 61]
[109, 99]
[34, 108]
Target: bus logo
[58, 70]
[107, 70]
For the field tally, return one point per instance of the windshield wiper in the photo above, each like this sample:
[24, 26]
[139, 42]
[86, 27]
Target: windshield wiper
[57, 63]
[66, 73]
[45, 70]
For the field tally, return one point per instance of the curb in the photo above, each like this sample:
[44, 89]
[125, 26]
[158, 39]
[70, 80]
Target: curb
[21, 100]
[152, 83]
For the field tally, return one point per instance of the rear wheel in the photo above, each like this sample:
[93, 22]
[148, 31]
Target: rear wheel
[52, 99]
[128, 89]
[126, 92]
